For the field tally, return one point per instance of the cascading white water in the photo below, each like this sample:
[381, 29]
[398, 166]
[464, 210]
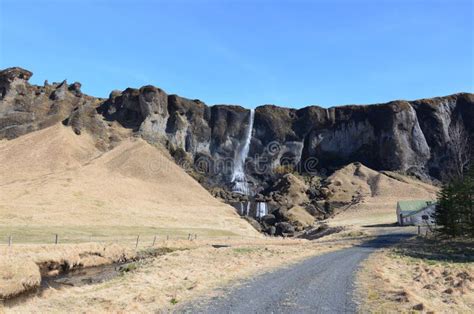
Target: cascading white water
[239, 179]
[238, 176]
[242, 211]
[261, 209]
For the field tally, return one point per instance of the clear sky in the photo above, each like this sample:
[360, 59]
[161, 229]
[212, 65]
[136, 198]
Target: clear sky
[290, 53]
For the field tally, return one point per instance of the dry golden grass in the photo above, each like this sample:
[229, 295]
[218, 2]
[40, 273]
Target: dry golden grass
[21, 266]
[390, 282]
[300, 216]
[17, 275]
[379, 194]
[56, 178]
[166, 282]
[51, 256]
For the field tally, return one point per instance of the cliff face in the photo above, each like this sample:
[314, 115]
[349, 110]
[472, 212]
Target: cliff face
[408, 136]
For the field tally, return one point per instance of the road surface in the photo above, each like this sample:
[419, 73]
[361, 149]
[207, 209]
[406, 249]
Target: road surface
[322, 284]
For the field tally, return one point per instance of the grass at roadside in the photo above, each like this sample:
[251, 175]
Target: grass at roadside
[419, 275]
[165, 282]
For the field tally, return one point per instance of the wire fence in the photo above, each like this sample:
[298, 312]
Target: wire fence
[138, 240]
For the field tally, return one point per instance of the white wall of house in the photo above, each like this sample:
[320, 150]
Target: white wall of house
[417, 218]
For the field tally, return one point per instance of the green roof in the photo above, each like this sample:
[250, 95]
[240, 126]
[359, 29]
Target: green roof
[411, 207]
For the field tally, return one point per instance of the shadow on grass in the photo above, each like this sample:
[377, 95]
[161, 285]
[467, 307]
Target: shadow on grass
[386, 240]
[437, 249]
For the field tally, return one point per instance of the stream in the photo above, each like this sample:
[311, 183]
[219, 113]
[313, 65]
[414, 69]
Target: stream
[73, 278]
[78, 277]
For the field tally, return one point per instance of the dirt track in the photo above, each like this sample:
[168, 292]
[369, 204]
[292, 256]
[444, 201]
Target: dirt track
[322, 284]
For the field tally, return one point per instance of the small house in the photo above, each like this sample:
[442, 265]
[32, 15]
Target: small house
[415, 212]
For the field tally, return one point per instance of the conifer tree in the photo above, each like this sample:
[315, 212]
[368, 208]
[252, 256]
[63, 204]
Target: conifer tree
[454, 212]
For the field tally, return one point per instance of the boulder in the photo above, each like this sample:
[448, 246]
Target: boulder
[320, 231]
[271, 230]
[284, 229]
[268, 220]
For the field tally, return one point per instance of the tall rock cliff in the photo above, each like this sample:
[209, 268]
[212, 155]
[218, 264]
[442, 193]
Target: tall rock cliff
[408, 136]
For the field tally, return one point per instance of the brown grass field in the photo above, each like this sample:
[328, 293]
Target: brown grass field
[55, 182]
[158, 284]
[379, 194]
[420, 275]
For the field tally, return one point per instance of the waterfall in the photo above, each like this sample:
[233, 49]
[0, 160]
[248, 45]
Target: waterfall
[261, 209]
[238, 176]
[239, 179]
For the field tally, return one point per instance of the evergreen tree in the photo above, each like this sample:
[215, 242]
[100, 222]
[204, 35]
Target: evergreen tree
[454, 212]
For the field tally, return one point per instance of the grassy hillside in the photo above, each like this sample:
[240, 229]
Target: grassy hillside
[56, 181]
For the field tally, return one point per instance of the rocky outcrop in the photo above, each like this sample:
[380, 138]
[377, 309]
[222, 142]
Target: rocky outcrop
[291, 150]
[25, 108]
[410, 137]
[406, 136]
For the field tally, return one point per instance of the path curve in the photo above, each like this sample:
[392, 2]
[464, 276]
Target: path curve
[321, 284]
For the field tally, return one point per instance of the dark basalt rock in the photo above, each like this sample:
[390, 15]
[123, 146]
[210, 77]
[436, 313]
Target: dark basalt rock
[26, 108]
[284, 229]
[406, 136]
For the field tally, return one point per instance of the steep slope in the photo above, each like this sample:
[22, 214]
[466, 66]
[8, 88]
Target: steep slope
[54, 177]
[407, 137]
[414, 137]
[43, 153]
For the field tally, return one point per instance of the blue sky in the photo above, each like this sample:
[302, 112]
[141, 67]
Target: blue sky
[290, 53]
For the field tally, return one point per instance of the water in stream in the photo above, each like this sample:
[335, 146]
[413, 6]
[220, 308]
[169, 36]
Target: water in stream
[74, 278]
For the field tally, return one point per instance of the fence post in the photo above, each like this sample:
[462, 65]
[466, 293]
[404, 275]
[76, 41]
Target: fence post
[167, 237]
[154, 240]
[136, 244]
[56, 239]
[10, 240]
[419, 230]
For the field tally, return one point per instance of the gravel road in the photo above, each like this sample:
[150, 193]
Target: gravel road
[322, 284]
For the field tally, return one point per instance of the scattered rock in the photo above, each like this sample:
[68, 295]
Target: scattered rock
[284, 229]
[269, 219]
[319, 232]
[418, 307]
